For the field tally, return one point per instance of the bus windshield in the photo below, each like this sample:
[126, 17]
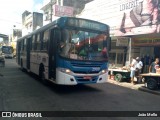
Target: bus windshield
[7, 49]
[83, 45]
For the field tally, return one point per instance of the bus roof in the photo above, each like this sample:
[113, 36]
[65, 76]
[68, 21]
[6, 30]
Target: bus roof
[72, 22]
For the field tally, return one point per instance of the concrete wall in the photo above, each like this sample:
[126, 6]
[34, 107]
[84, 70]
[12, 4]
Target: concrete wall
[37, 20]
[24, 15]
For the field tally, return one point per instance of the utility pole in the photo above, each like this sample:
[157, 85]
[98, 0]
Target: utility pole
[130, 49]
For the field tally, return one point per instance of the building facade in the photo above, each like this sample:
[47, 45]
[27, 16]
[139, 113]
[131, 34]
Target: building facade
[17, 33]
[31, 22]
[58, 8]
[4, 39]
[135, 22]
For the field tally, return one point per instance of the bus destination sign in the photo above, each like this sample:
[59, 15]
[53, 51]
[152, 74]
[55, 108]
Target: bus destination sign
[86, 24]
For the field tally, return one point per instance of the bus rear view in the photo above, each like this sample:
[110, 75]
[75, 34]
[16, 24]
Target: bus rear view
[75, 52]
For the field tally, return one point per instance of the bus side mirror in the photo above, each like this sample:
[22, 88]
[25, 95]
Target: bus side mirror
[109, 44]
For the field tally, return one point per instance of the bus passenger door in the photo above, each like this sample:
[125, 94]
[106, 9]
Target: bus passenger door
[52, 62]
[28, 52]
[54, 37]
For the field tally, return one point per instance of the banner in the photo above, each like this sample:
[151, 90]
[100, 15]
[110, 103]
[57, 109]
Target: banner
[125, 17]
[63, 11]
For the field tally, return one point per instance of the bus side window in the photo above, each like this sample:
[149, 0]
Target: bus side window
[19, 46]
[45, 40]
[38, 42]
[41, 38]
[30, 43]
[24, 45]
[34, 44]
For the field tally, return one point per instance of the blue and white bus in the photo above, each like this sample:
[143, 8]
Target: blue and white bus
[68, 51]
[7, 51]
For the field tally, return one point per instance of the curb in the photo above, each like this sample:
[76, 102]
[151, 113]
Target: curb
[128, 85]
[140, 88]
[149, 91]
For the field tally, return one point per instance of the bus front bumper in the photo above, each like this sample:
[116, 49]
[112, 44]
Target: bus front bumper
[71, 78]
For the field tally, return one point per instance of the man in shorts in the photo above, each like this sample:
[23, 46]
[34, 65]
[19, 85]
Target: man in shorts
[133, 70]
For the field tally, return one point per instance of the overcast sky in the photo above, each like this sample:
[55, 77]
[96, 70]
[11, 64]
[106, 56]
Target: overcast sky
[11, 12]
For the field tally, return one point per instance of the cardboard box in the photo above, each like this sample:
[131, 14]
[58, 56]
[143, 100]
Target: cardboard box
[158, 71]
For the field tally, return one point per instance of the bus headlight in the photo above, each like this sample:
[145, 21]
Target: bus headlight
[65, 70]
[104, 71]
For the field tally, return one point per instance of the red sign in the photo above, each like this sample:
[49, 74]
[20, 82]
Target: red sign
[63, 11]
[87, 77]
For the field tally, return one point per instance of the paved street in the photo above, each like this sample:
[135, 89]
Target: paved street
[20, 91]
[139, 86]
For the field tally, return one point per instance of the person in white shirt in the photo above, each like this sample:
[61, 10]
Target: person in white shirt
[138, 69]
[139, 64]
[133, 69]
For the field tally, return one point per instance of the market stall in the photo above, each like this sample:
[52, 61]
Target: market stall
[152, 80]
[120, 73]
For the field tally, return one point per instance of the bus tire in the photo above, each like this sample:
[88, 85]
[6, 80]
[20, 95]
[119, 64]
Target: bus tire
[152, 84]
[118, 77]
[42, 75]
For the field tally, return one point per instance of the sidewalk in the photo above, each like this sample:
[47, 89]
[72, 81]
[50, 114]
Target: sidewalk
[140, 87]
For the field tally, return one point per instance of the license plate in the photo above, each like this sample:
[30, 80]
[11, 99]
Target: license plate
[87, 77]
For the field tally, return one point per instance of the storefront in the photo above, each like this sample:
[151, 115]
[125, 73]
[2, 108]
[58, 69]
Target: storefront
[118, 53]
[147, 47]
[134, 27]
[149, 44]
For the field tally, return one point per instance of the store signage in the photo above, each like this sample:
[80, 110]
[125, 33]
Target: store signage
[125, 17]
[146, 42]
[122, 41]
[63, 11]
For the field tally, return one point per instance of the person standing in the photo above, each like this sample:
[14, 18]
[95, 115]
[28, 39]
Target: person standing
[139, 67]
[133, 69]
[154, 66]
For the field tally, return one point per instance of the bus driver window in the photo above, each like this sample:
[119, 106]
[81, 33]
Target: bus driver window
[65, 44]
